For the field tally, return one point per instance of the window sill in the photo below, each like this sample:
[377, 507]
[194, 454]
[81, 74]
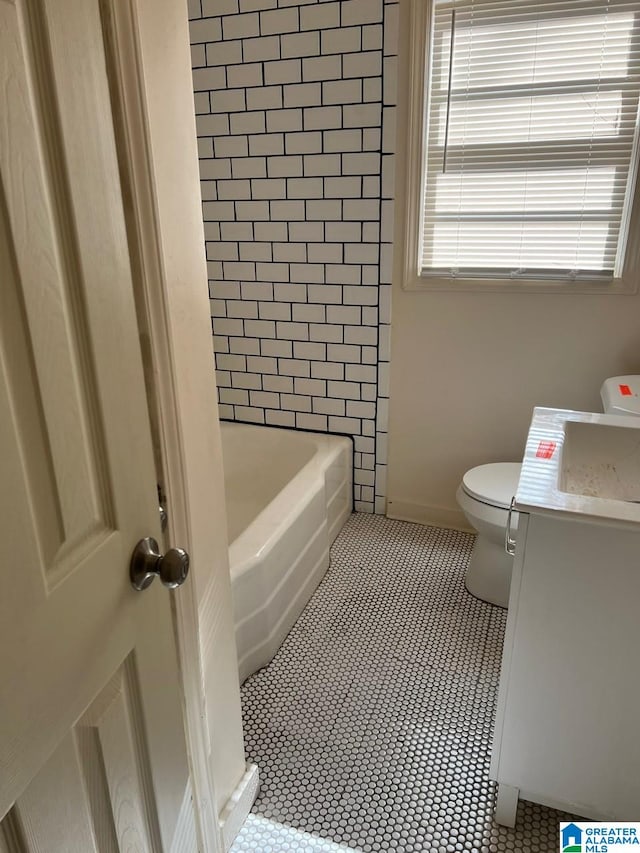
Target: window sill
[620, 286]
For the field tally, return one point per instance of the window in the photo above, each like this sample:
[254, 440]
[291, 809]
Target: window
[526, 135]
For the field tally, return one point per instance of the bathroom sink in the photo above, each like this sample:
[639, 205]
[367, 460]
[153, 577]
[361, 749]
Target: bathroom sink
[582, 464]
[601, 461]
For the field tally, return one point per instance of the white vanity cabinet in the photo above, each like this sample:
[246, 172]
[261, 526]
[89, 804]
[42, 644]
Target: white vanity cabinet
[567, 731]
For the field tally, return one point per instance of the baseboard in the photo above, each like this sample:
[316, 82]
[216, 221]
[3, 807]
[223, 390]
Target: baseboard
[433, 516]
[239, 805]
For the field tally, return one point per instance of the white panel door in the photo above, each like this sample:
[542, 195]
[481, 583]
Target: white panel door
[92, 749]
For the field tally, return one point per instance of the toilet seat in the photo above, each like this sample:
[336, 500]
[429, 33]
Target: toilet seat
[493, 484]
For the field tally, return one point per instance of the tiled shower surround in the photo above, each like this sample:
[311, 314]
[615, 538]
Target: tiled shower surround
[295, 103]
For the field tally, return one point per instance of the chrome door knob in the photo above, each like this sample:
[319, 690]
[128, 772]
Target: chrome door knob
[146, 562]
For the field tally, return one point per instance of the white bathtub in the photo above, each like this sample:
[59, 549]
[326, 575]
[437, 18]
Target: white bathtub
[288, 494]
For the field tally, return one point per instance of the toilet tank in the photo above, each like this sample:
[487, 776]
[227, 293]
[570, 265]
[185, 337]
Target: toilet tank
[621, 395]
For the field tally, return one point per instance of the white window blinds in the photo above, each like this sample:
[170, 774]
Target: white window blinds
[532, 137]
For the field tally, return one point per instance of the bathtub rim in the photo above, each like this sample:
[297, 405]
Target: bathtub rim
[242, 557]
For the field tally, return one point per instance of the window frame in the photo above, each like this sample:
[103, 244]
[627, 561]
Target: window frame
[420, 15]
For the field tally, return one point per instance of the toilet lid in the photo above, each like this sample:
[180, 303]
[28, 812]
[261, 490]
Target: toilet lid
[493, 484]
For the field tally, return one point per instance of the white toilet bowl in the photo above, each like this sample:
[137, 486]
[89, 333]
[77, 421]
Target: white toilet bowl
[484, 496]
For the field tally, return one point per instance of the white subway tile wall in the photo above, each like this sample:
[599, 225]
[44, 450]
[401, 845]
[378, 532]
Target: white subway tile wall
[295, 111]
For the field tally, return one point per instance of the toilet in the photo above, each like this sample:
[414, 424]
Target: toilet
[485, 494]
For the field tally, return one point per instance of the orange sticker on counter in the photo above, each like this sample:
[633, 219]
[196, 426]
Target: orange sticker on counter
[545, 449]
[625, 390]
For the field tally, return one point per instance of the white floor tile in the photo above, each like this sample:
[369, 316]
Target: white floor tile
[372, 725]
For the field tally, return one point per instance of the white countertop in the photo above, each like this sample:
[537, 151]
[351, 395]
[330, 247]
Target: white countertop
[598, 463]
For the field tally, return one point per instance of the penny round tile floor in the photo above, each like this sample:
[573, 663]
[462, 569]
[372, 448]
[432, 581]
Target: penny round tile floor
[372, 725]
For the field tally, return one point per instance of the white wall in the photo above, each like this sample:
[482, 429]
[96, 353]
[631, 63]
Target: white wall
[467, 369]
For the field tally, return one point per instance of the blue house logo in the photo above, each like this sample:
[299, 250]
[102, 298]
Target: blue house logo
[571, 838]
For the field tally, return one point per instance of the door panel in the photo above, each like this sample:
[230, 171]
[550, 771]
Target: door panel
[52, 813]
[115, 763]
[94, 793]
[88, 666]
[54, 329]
[9, 837]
